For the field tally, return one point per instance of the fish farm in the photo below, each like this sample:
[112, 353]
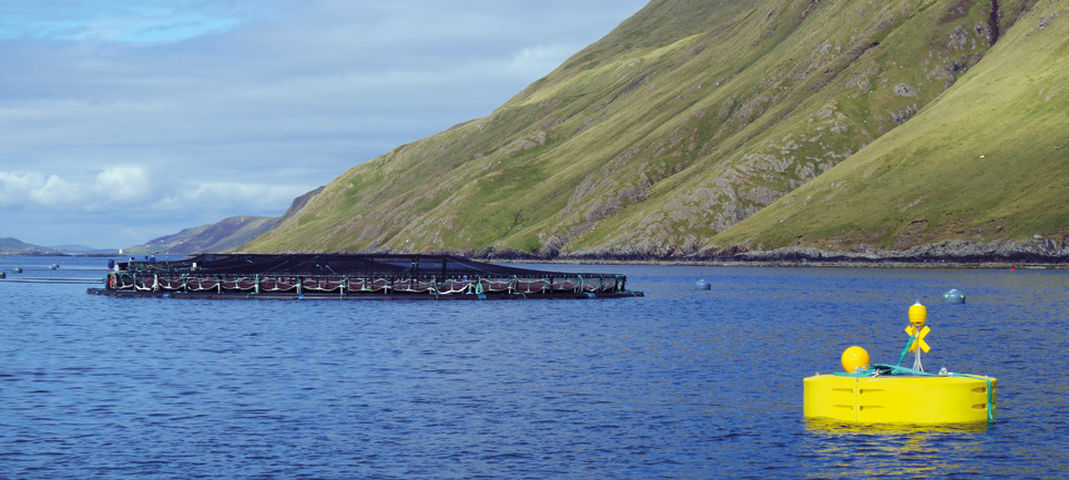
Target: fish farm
[350, 277]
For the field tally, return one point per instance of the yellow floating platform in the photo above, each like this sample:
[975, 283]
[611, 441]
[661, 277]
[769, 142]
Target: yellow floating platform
[901, 399]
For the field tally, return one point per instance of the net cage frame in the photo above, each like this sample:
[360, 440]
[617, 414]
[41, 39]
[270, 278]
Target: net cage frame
[347, 275]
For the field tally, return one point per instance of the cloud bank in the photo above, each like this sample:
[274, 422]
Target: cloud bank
[123, 120]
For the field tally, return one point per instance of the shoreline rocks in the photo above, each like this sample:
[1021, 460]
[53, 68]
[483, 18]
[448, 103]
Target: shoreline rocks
[1037, 253]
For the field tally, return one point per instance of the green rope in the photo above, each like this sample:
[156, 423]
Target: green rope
[902, 356]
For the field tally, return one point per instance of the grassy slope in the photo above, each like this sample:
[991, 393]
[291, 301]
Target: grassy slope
[988, 160]
[689, 117]
[474, 184]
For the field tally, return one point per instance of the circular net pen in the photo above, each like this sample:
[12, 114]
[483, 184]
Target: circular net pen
[351, 277]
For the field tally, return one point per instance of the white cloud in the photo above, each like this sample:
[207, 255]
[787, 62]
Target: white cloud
[56, 192]
[218, 196]
[17, 188]
[133, 188]
[238, 106]
[113, 187]
[123, 184]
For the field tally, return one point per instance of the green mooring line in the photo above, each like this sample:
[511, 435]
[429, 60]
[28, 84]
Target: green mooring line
[82, 281]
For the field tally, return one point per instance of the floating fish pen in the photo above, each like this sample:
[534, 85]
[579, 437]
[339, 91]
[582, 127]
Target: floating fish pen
[350, 277]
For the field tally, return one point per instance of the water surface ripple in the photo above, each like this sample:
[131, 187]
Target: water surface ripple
[679, 384]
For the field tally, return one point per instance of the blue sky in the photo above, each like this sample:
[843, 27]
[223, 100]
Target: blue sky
[122, 120]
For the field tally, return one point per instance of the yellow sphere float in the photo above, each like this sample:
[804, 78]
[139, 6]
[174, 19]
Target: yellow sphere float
[918, 314]
[854, 358]
[873, 393]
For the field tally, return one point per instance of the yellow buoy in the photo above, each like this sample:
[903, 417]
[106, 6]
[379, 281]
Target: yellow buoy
[918, 314]
[905, 399]
[854, 358]
[869, 393]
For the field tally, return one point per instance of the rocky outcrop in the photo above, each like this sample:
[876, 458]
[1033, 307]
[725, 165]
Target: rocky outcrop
[1041, 252]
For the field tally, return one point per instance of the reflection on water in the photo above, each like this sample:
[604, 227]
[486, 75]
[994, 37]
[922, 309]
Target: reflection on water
[892, 450]
[820, 425]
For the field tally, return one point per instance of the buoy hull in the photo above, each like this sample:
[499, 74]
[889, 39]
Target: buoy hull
[953, 296]
[917, 400]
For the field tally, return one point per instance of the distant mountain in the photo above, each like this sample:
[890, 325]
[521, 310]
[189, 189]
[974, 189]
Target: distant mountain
[82, 249]
[849, 124]
[223, 236]
[14, 246]
[694, 115]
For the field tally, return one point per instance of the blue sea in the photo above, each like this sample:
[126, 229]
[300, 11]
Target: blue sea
[681, 383]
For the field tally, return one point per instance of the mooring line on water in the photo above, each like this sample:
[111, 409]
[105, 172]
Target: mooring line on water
[86, 281]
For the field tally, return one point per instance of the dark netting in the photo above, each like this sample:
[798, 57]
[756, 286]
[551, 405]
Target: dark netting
[352, 276]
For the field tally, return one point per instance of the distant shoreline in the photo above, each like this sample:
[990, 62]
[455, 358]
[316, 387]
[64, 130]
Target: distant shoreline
[1039, 255]
[799, 264]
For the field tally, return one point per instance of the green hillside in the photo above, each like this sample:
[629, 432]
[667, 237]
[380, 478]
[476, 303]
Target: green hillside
[690, 117]
[988, 160]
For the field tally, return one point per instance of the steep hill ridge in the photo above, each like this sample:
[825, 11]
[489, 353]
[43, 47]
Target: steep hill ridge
[688, 118]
